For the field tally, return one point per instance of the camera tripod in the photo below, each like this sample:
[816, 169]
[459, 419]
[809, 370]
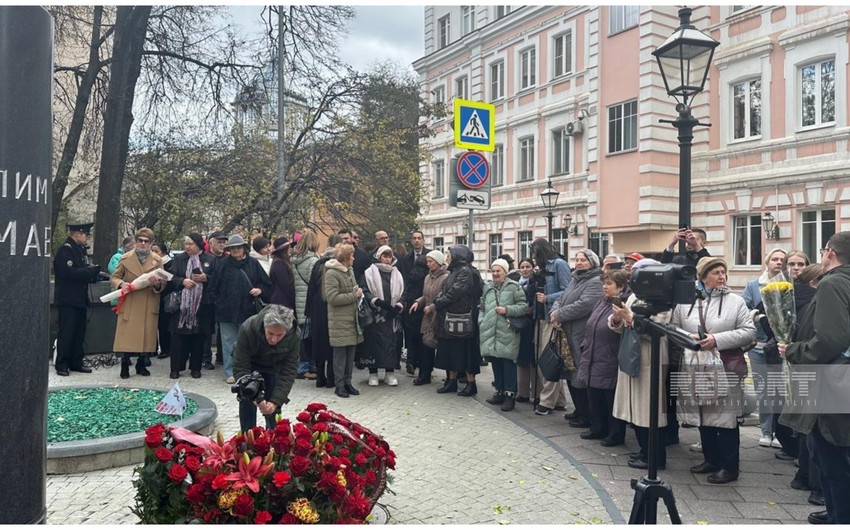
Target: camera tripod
[649, 489]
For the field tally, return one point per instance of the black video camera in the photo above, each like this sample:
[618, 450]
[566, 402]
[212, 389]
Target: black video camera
[662, 287]
[250, 387]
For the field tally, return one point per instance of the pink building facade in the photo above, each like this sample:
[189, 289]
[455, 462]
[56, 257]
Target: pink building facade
[776, 99]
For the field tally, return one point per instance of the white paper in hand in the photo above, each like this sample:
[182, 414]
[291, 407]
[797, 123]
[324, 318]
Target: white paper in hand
[173, 403]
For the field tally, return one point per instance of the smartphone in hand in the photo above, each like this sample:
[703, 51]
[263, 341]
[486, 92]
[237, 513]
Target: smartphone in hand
[616, 301]
[196, 270]
[701, 332]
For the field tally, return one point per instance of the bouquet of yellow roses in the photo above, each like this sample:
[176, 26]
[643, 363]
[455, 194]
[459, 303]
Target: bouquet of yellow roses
[778, 298]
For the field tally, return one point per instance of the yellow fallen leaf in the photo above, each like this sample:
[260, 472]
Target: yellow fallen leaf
[522, 483]
[574, 514]
[702, 522]
[579, 521]
[547, 468]
[771, 503]
[572, 477]
[595, 520]
[594, 475]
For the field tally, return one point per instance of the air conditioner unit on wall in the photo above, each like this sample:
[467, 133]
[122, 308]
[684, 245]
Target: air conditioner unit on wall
[575, 128]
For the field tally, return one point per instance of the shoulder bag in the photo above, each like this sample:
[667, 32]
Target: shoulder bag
[550, 361]
[258, 301]
[517, 324]
[365, 316]
[628, 357]
[457, 325]
[172, 301]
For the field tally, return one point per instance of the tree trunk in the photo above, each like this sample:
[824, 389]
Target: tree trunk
[72, 142]
[131, 24]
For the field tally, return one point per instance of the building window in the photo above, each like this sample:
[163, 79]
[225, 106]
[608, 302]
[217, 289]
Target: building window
[502, 11]
[495, 246]
[526, 158]
[439, 244]
[560, 242]
[818, 93]
[462, 87]
[621, 18]
[747, 109]
[439, 178]
[444, 25]
[735, 9]
[598, 243]
[527, 68]
[747, 239]
[818, 227]
[563, 56]
[524, 238]
[460, 240]
[497, 81]
[467, 16]
[497, 165]
[622, 127]
[560, 152]
[439, 94]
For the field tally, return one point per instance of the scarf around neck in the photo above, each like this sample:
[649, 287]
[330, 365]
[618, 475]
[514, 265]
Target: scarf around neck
[190, 299]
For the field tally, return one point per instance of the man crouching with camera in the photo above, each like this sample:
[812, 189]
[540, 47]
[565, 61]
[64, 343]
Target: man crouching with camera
[268, 343]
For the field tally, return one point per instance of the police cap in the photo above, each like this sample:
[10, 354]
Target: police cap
[80, 227]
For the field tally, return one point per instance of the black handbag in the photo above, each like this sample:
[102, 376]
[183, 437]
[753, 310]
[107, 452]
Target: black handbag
[457, 325]
[519, 323]
[259, 304]
[629, 355]
[172, 302]
[550, 360]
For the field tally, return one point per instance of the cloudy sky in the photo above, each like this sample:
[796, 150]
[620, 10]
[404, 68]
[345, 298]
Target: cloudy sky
[376, 34]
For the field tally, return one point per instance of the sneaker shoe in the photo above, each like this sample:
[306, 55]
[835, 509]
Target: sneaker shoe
[373, 379]
[775, 443]
[765, 440]
[540, 410]
[695, 448]
[392, 380]
[230, 380]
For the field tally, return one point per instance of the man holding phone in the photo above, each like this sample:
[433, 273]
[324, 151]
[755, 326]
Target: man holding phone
[694, 247]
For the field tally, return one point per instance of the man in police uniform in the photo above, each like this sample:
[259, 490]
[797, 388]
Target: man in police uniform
[71, 295]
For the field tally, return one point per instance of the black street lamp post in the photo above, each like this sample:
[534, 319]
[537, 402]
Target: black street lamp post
[549, 196]
[684, 60]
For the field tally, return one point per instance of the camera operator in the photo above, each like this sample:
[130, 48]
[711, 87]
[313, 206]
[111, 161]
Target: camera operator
[268, 343]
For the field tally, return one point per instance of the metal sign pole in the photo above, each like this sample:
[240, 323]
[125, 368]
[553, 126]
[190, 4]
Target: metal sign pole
[470, 232]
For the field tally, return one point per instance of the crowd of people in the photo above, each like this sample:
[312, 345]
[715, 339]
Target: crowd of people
[279, 308]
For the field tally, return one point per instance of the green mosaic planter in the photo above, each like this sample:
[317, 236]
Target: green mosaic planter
[97, 427]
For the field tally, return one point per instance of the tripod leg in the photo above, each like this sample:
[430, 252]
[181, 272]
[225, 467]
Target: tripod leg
[670, 502]
[638, 515]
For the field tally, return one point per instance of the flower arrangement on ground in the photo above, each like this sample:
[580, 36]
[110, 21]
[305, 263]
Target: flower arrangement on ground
[778, 298]
[321, 469]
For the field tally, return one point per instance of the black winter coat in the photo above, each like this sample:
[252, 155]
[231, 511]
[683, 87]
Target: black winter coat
[413, 285]
[598, 363]
[205, 316]
[73, 275]
[230, 288]
[462, 291]
[318, 344]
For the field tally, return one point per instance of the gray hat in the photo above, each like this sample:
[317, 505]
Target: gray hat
[591, 257]
[236, 241]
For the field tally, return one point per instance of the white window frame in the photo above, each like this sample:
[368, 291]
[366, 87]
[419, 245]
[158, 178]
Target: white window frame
[525, 173]
[501, 12]
[439, 95]
[524, 239]
[444, 31]
[561, 241]
[495, 246]
[497, 165]
[749, 225]
[461, 240]
[527, 68]
[439, 244]
[566, 61]
[622, 18]
[625, 121]
[818, 117]
[812, 248]
[748, 91]
[467, 18]
[438, 168]
[462, 87]
[598, 242]
[559, 138]
[497, 80]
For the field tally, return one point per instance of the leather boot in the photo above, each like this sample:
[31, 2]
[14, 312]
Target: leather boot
[469, 390]
[341, 392]
[125, 371]
[141, 369]
[497, 399]
[449, 386]
[351, 390]
[510, 402]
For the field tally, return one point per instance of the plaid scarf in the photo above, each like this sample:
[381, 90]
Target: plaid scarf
[190, 299]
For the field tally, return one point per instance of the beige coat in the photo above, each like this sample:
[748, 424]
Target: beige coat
[631, 399]
[137, 319]
[434, 283]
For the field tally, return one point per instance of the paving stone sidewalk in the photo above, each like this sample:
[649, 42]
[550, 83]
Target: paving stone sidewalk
[459, 460]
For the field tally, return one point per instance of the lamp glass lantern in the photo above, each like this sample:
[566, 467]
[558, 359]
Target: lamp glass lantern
[768, 223]
[549, 196]
[684, 59]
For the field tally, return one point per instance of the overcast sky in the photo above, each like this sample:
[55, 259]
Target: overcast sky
[376, 34]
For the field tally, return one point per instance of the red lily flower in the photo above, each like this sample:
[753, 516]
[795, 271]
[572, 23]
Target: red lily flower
[248, 474]
[218, 455]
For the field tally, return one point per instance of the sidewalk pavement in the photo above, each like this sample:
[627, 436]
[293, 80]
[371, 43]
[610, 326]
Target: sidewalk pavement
[463, 461]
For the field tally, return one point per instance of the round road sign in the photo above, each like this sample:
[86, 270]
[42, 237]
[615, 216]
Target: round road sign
[473, 170]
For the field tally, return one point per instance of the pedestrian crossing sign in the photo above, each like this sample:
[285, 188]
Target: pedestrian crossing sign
[475, 125]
